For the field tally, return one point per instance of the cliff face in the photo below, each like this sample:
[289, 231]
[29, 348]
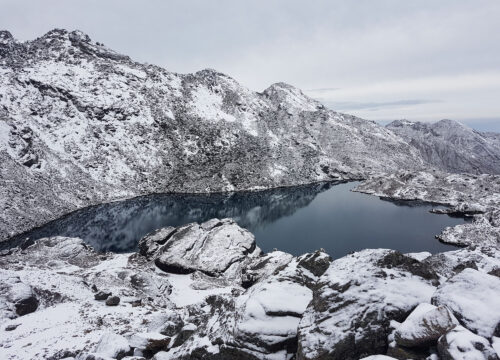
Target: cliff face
[81, 124]
[451, 146]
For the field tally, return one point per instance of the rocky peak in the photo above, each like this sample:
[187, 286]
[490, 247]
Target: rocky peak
[288, 96]
[79, 36]
[400, 123]
[6, 37]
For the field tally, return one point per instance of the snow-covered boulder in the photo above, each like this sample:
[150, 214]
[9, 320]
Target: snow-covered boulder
[424, 326]
[268, 314]
[113, 346]
[214, 247]
[461, 344]
[473, 297]
[150, 243]
[260, 323]
[355, 300]
[482, 258]
[16, 297]
[150, 341]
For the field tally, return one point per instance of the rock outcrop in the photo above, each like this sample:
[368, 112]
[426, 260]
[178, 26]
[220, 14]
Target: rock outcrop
[355, 301]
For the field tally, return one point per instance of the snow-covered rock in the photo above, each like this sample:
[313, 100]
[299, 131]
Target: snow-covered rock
[449, 263]
[214, 247]
[452, 146]
[113, 346]
[81, 124]
[473, 298]
[461, 344]
[424, 326]
[16, 297]
[260, 323]
[149, 341]
[355, 300]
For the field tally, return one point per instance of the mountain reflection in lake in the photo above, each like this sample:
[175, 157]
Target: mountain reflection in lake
[296, 220]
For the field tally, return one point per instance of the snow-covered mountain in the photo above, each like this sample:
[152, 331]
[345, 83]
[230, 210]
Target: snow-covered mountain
[81, 124]
[452, 146]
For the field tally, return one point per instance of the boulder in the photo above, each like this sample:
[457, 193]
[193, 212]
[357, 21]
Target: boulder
[317, 263]
[424, 326]
[150, 243]
[215, 247]
[461, 344]
[450, 263]
[113, 346]
[16, 297]
[150, 341]
[473, 297]
[355, 300]
[102, 295]
[113, 301]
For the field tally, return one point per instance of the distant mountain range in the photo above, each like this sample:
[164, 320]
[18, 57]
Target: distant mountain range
[81, 124]
[452, 146]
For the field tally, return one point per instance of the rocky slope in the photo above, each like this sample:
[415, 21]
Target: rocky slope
[81, 124]
[451, 146]
[179, 298]
[474, 195]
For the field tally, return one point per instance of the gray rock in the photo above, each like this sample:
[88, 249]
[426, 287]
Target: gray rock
[472, 296]
[150, 243]
[102, 295]
[424, 326]
[16, 297]
[112, 301]
[461, 344]
[149, 341]
[215, 247]
[355, 300]
[113, 346]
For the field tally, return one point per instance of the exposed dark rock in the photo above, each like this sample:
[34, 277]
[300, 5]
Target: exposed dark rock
[112, 301]
[461, 344]
[102, 295]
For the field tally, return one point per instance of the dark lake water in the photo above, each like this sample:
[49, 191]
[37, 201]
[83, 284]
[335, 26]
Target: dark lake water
[295, 220]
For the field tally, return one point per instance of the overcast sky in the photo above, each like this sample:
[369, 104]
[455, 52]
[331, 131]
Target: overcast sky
[378, 59]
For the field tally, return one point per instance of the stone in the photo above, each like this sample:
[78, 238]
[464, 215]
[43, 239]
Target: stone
[150, 341]
[356, 299]
[113, 346]
[424, 326]
[102, 295]
[461, 344]
[112, 301]
[212, 247]
[472, 296]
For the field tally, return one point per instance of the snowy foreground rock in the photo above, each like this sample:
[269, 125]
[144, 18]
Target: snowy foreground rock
[245, 305]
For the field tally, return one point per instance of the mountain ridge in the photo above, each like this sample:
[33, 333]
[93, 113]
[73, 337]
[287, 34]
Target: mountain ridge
[452, 146]
[82, 124]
